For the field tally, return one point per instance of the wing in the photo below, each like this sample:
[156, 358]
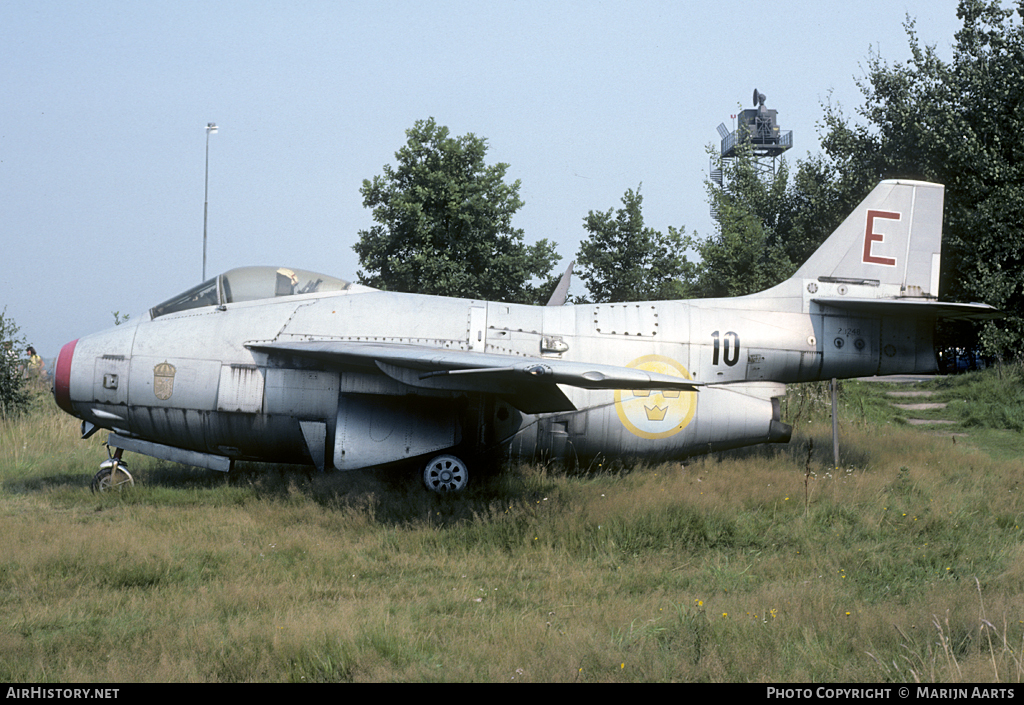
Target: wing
[529, 384]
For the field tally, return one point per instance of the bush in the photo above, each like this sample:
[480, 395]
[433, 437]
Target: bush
[14, 396]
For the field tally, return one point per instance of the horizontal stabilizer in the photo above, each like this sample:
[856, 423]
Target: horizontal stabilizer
[911, 308]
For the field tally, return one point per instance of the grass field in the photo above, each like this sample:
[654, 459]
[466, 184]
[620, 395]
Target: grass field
[905, 564]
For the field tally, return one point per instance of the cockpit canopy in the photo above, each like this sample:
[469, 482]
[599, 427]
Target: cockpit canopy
[250, 284]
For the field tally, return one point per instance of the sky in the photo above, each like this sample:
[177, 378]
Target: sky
[104, 107]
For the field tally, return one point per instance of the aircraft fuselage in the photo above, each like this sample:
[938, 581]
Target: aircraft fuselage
[190, 376]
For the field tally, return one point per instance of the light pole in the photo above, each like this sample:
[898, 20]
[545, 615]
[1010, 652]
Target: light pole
[210, 127]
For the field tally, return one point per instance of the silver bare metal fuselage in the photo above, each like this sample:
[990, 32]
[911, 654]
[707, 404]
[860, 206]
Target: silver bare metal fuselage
[190, 376]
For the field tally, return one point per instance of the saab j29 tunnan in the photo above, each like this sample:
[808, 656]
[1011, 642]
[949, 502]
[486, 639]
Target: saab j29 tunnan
[288, 366]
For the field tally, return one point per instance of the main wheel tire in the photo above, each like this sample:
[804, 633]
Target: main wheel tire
[112, 478]
[446, 473]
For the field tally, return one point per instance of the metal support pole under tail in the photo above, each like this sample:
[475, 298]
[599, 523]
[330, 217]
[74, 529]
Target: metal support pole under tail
[835, 423]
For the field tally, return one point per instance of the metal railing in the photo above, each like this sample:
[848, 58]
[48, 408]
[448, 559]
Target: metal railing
[780, 144]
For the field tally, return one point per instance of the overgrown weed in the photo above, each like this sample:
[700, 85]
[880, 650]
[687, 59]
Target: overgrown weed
[762, 564]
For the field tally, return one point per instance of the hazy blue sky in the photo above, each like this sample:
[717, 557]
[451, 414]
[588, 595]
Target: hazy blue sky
[104, 106]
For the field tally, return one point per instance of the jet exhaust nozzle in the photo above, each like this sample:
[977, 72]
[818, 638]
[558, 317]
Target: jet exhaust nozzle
[779, 432]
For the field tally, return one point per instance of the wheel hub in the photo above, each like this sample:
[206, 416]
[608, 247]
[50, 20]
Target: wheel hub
[445, 473]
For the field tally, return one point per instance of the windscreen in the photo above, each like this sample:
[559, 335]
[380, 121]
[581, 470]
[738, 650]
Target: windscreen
[204, 294]
[250, 284]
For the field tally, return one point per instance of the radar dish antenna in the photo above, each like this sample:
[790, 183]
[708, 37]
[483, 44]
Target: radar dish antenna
[759, 99]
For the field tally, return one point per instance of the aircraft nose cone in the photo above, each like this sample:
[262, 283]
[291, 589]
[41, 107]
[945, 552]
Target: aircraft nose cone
[62, 378]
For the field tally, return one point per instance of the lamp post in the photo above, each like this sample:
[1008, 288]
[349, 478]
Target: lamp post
[210, 127]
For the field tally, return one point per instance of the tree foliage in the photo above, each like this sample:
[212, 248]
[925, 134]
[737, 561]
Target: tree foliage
[444, 223]
[748, 251]
[958, 123]
[14, 396]
[622, 260]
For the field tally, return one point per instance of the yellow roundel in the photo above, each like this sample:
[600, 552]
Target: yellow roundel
[651, 413]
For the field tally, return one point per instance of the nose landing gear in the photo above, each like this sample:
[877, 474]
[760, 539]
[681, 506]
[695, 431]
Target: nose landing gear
[113, 474]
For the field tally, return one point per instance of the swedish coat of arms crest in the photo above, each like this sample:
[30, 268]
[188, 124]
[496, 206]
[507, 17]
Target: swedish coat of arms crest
[163, 380]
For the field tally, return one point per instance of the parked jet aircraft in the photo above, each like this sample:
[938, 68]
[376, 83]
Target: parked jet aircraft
[283, 365]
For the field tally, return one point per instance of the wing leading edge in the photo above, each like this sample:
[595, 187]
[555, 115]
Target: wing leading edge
[529, 384]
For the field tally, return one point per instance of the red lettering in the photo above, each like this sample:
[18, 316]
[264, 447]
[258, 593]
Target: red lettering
[870, 236]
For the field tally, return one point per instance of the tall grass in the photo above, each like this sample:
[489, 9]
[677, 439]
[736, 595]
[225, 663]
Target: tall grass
[993, 399]
[758, 565]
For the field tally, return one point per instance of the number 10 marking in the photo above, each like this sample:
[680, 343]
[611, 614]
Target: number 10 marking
[730, 348]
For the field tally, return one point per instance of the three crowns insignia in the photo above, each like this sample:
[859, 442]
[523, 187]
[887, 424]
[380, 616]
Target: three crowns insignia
[656, 413]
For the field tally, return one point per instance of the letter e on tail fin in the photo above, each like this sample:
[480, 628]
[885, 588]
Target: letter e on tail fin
[870, 236]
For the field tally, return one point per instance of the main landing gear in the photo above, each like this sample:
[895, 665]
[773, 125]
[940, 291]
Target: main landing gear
[113, 474]
[445, 473]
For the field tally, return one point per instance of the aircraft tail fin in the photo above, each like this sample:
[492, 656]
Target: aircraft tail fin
[891, 243]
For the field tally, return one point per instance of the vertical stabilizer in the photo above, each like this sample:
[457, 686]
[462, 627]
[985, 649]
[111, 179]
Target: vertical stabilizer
[891, 242]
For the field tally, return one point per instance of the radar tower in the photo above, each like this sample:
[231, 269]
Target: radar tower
[756, 129]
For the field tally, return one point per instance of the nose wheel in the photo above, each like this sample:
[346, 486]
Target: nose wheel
[113, 474]
[445, 473]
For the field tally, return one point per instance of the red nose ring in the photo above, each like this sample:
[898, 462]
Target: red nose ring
[62, 377]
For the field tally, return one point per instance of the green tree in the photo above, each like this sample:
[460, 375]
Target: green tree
[14, 397]
[958, 123]
[748, 252]
[444, 224]
[622, 260]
